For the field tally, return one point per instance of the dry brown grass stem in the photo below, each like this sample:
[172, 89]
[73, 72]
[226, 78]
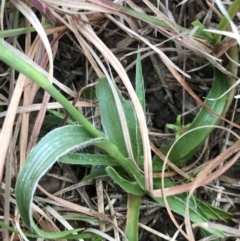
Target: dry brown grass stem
[81, 209]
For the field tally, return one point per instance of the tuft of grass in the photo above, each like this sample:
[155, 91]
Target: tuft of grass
[121, 147]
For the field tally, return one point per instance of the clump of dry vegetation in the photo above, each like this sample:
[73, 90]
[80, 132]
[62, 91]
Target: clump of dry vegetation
[119, 120]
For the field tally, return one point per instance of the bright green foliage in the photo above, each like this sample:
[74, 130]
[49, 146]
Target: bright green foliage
[187, 146]
[42, 157]
[128, 186]
[111, 121]
[201, 33]
[178, 128]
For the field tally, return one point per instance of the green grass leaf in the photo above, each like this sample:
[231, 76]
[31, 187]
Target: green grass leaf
[96, 172]
[109, 115]
[88, 159]
[55, 144]
[23, 64]
[59, 117]
[187, 146]
[128, 186]
[201, 33]
[111, 122]
[199, 211]
[140, 83]
[32, 235]
[224, 23]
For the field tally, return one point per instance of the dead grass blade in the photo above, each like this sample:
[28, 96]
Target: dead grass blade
[157, 50]
[90, 34]
[204, 175]
[50, 106]
[7, 127]
[100, 201]
[197, 99]
[111, 58]
[168, 162]
[230, 231]
[201, 180]
[112, 211]
[25, 116]
[81, 209]
[161, 16]
[32, 18]
[41, 114]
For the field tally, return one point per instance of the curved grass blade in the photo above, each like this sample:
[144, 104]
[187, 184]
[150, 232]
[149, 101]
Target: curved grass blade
[140, 83]
[23, 64]
[31, 235]
[96, 172]
[55, 144]
[190, 143]
[127, 186]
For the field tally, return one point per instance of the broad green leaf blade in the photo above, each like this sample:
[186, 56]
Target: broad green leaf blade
[109, 115]
[55, 144]
[127, 186]
[190, 143]
[111, 122]
[88, 159]
[134, 131]
[97, 161]
[213, 213]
